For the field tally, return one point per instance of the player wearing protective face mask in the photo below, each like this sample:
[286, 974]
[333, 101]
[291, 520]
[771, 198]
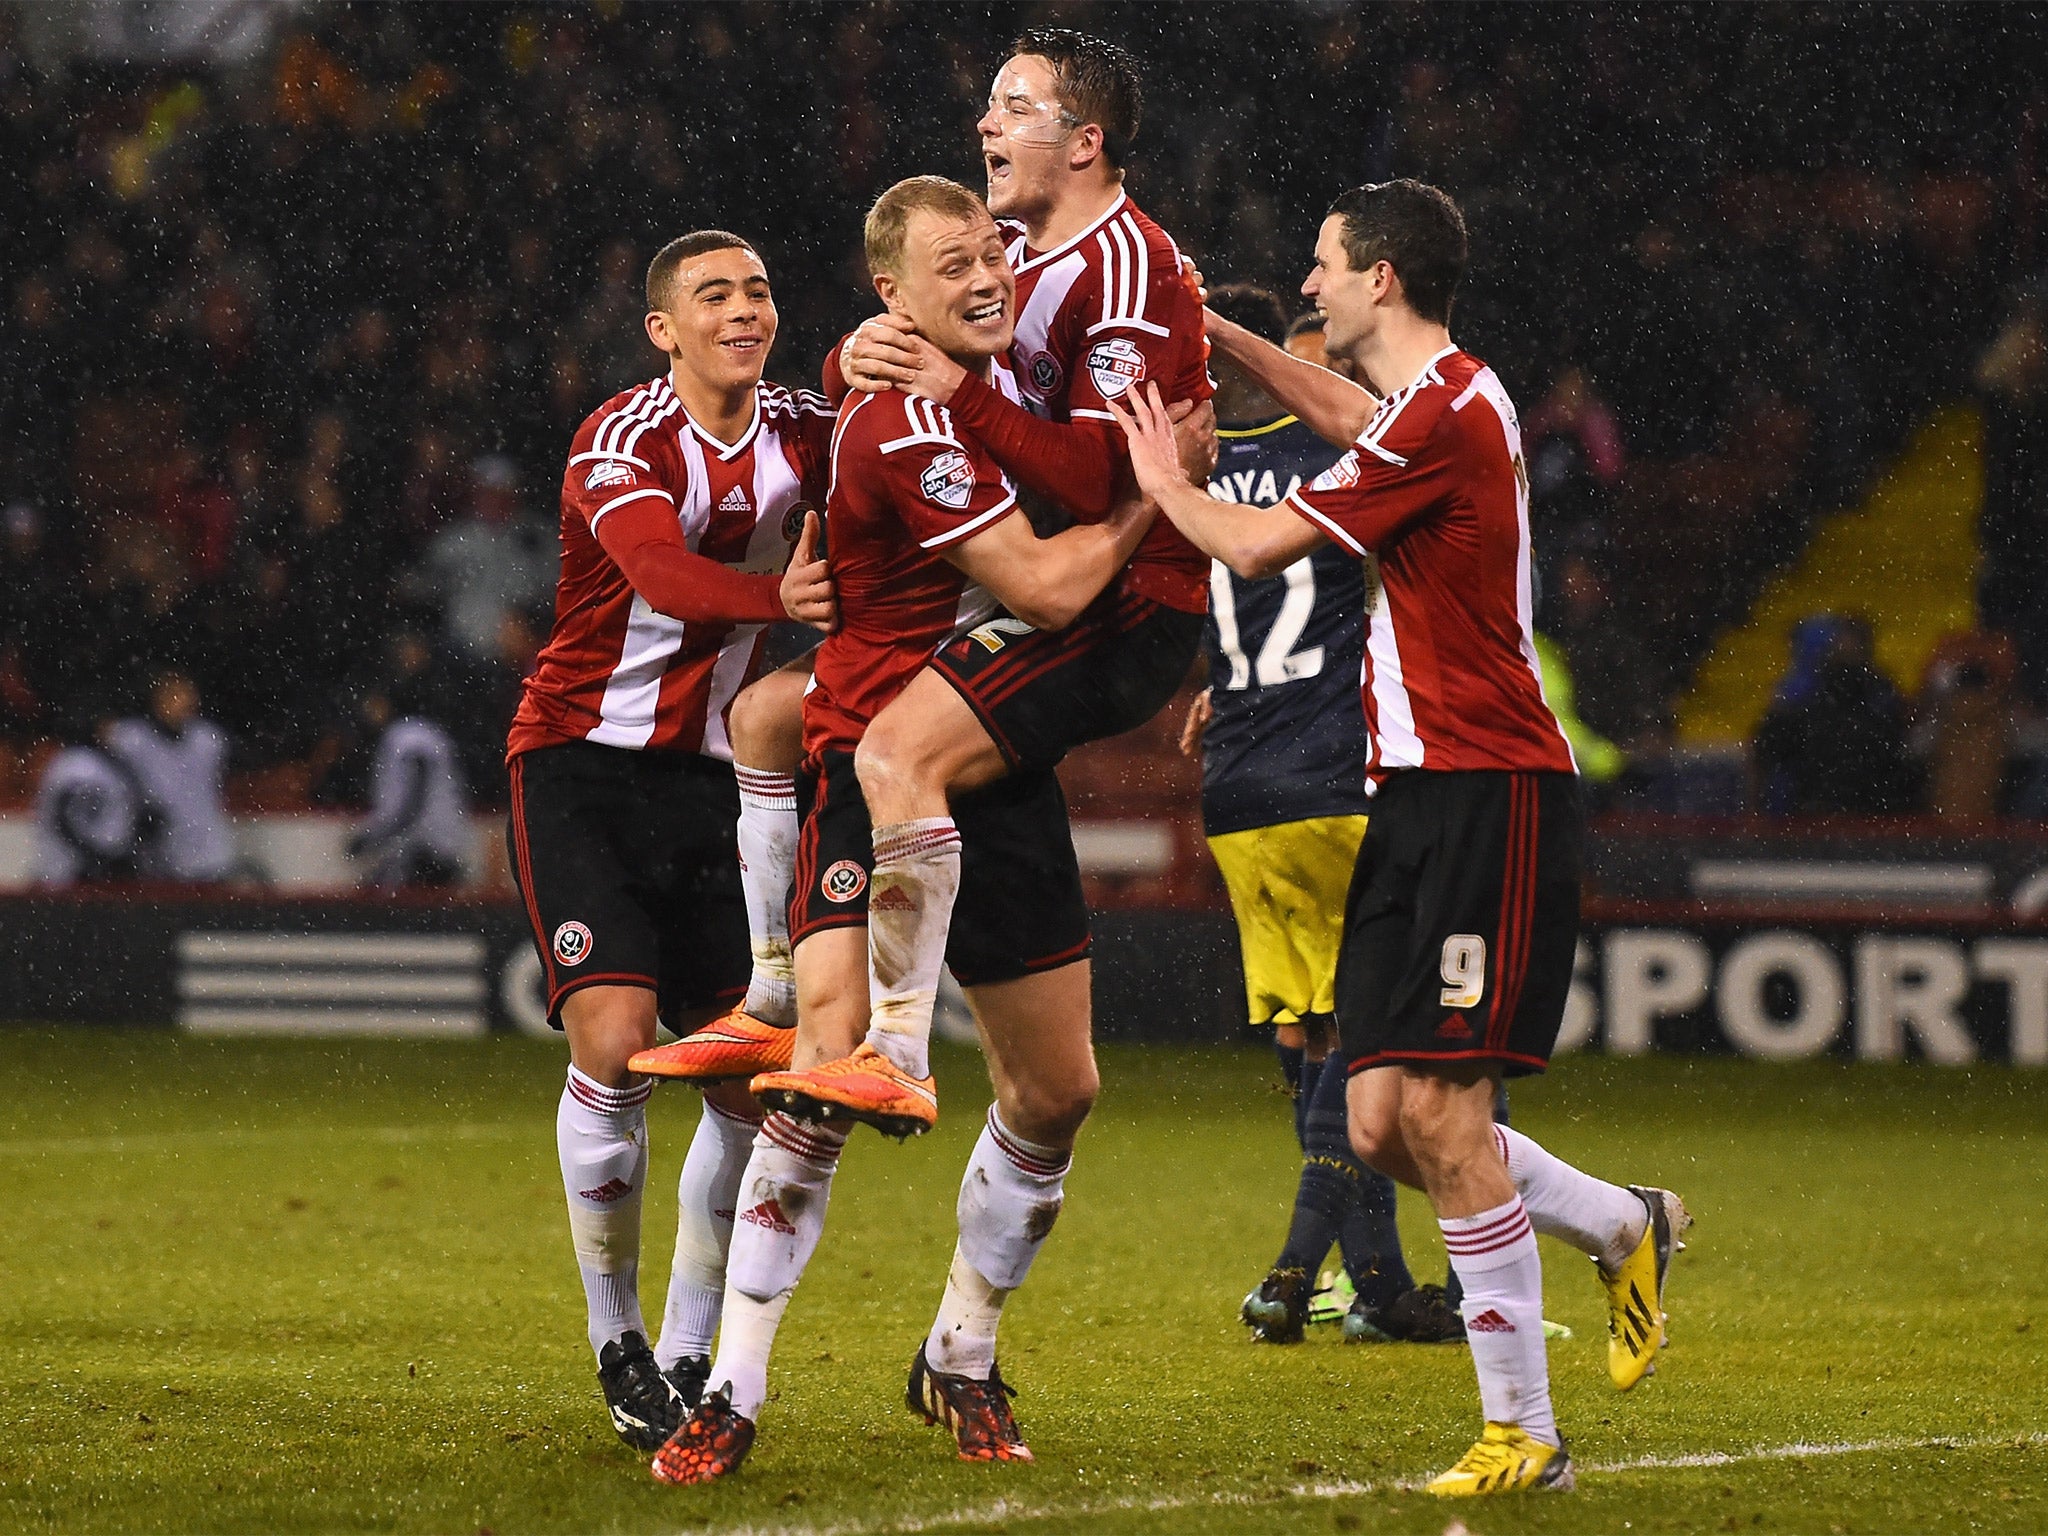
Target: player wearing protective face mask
[1102, 303]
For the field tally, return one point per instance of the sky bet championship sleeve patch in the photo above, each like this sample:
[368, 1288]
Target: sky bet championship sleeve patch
[1115, 365]
[608, 472]
[1339, 476]
[950, 480]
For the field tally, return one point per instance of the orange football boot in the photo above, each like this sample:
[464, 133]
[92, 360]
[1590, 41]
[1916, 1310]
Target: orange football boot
[711, 1444]
[978, 1412]
[735, 1045]
[866, 1086]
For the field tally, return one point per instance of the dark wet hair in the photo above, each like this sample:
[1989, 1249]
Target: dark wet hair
[1257, 309]
[1097, 83]
[661, 272]
[1415, 228]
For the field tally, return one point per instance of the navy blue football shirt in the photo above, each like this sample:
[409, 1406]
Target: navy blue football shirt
[1287, 740]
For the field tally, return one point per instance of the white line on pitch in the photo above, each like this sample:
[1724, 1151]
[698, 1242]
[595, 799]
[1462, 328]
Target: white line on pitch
[1012, 1510]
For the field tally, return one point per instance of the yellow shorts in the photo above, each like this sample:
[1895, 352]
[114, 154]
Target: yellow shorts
[1287, 886]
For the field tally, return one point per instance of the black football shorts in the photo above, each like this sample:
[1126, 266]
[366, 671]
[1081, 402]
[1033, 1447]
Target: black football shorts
[1020, 909]
[1462, 920]
[1041, 693]
[629, 869]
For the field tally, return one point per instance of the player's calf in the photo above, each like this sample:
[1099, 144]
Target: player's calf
[1631, 1234]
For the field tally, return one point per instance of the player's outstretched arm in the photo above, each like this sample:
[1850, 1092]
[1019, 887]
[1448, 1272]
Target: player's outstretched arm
[644, 542]
[1048, 582]
[1252, 541]
[1329, 405]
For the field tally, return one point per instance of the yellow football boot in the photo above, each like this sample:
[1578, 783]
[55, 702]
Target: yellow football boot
[1635, 1289]
[1505, 1460]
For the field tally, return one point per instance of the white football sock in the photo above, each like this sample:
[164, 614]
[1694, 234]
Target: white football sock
[1009, 1200]
[1495, 1256]
[783, 1193]
[1595, 1217]
[601, 1136]
[963, 1337]
[767, 838]
[910, 910]
[705, 1197]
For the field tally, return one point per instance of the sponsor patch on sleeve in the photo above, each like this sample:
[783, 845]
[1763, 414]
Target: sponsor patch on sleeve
[1115, 365]
[1339, 475]
[607, 472]
[949, 480]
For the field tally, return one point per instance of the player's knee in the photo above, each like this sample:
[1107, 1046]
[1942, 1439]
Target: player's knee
[893, 754]
[1376, 1137]
[879, 765]
[766, 725]
[1421, 1122]
[1052, 1113]
[603, 1055]
[605, 1026]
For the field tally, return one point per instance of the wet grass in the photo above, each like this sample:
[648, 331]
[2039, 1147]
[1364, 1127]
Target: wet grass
[325, 1286]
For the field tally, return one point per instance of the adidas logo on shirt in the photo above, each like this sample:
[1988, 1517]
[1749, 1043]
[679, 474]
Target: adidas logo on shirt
[735, 501]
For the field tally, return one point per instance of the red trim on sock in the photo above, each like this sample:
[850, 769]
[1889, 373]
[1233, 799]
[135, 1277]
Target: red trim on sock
[735, 1116]
[792, 1136]
[1035, 1166]
[607, 1101]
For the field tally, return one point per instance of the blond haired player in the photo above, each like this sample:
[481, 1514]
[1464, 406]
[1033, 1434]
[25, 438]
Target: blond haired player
[1102, 301]
[925, 540]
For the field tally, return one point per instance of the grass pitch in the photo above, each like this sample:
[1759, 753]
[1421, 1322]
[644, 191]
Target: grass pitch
[267, 1286]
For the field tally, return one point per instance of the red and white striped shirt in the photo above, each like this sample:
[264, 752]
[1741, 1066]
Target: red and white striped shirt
[615, 671]
[907, 488]
[1436, 487]
[1097, 316]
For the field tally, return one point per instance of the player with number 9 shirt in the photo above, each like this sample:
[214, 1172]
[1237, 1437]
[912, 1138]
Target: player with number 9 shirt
[1462, 915]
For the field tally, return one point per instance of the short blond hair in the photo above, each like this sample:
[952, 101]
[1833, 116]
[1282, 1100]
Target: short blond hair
[889, 219]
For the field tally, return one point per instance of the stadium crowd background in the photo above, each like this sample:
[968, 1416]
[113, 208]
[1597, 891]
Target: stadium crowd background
[295, 343]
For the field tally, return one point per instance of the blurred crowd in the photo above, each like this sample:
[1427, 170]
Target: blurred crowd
[295, 344]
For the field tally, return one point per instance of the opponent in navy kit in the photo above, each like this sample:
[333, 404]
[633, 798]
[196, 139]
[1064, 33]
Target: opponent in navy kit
[1285, 734]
